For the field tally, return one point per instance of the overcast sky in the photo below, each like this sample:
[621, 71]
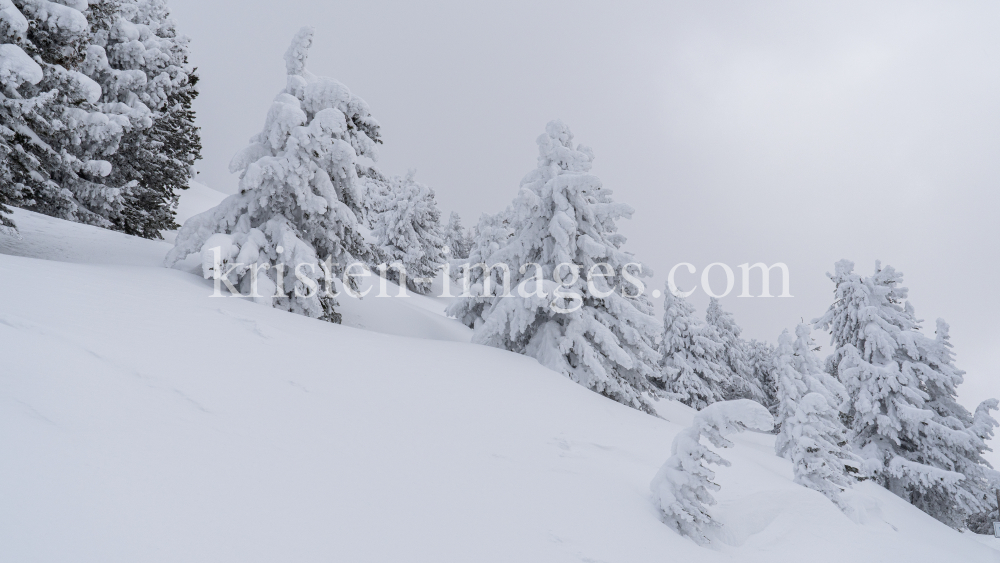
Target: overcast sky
[740, 131]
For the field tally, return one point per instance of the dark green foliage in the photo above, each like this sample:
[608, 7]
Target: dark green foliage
[119, 161]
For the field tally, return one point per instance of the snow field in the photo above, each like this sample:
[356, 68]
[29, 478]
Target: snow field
[141, 420]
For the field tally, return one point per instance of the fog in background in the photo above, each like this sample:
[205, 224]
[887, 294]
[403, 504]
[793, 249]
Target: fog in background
[740, 132]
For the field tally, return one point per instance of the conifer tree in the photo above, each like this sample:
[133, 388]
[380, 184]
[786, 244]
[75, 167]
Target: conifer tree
[812, 435]
[816, 445]
[139, 60]
[408, 231]
[492, 233]
[297, 178]
[962, 445]
[688, 356]
[71, 132]
[22, 167]
[733, 356]
[901, 385]
[458, 241]
[760, 359]
[798, 371]
[564, 228]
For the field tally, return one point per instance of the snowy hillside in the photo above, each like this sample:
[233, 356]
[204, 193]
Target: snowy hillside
[163, 425]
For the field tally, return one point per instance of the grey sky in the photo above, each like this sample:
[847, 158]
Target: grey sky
[740, 132]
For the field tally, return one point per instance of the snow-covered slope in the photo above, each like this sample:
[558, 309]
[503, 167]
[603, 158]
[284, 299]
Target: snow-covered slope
[197, 198]
[53, 239]
[141, 420]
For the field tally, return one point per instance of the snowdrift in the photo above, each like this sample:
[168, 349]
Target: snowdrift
[141, 420]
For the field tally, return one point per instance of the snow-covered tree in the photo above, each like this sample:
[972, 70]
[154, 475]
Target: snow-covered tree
[812, 435]
[492, 233]
[407, 229]
[733, 356]
[816, 445]
[901, 384]
[689, 356]
[760, 359]
[799, 372]
[682, 488]
[21, 159]
[296, 179]
[940, 380]
[598, 333]
[72, 133]
[458, 241]
[140, 61]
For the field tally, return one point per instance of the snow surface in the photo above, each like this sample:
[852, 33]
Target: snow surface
[141, 420]
[197, 198]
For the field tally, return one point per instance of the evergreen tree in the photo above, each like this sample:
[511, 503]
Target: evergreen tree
[733, 356]
[22, 166]
[492, 233]
[961, 447]
[806, 373]
[71, 132]
[458, 241]
[816, 447]
[408, 230]
[760, 359]
[688, 356]
[140, 61]
[563, 229]
[297, 179]
[812, 435]
[901, 385]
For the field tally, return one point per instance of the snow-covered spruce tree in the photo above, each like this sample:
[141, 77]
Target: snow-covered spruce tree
[21, 159]
[798, 372]
[901, 384]
[733, 357]
[73, 133]
[760, 359]
[817, 440]
[940, 382]
[491, 234]
[812, 435]
[599, 334]
[985, 478]
[139, 60]
[407, 229]
[682, 487]
[458, 241]
[296, 179]
[688, 357]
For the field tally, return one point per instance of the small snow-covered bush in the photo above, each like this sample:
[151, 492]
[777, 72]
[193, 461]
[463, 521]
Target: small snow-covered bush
[682, 487]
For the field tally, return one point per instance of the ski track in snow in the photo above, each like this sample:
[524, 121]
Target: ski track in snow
[141, 420]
